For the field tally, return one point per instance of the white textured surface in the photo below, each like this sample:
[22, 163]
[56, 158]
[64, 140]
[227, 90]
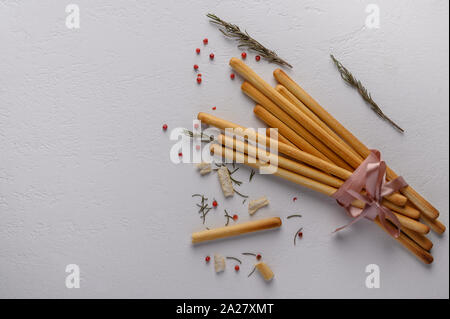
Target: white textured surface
[85, 175]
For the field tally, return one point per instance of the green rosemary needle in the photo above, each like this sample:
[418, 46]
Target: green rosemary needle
[249, 254]
[351, 80]
[245, 40]
[240, 194]
[251, 273]
[203, 137]
[252, 173]
[234, 258]
[204, 208]
[296, 234]
[228, 217]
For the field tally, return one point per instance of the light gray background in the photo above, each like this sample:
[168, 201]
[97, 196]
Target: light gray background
[85, 175]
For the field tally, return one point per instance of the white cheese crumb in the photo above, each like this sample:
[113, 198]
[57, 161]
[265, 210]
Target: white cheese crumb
[225, 181]
[256, 204]
[205, 168]
[219, 263]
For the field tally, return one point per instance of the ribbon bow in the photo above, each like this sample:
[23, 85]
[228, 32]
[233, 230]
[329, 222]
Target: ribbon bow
[370, 175]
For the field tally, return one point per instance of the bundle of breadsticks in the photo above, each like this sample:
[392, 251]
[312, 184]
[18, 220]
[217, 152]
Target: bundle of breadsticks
[317, 152]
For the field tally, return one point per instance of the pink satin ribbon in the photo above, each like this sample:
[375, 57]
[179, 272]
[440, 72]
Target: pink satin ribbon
[371, 176]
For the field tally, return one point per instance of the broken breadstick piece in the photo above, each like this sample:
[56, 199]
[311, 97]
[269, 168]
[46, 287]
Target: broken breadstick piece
[219, 263]
[256, 204]
[205, 168]
[225, 181]
[264, 270]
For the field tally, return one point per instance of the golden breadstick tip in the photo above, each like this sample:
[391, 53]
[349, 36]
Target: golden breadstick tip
[434, 224]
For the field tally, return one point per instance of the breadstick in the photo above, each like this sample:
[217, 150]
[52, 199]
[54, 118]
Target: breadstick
[282, 147]
[286, 131]
[303, 170]
[411, 245]
[314, 185]
[341, 149]
[268, 118]
[282, 161]
[235, 230]
[407, 210]
[281, 138]
[286, 119]
[412, 224]
[271, 120]
[291, 97]
[296, 154]
[420, 202]
[434, 224]
[420, 239]
[338, 147]
[267, 104]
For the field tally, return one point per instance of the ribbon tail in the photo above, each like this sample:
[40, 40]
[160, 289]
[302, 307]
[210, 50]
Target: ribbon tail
[362, 215]
[384, 215]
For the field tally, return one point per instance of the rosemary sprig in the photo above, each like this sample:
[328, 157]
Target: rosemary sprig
[235, 181]
[251, 273]
[231, 173]
[242, 195]
[245, 41]
[203, 137]
[252, 173]
[234, 258]
[295, 215]
[204, 207]
[351, 80]
[228, 217]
